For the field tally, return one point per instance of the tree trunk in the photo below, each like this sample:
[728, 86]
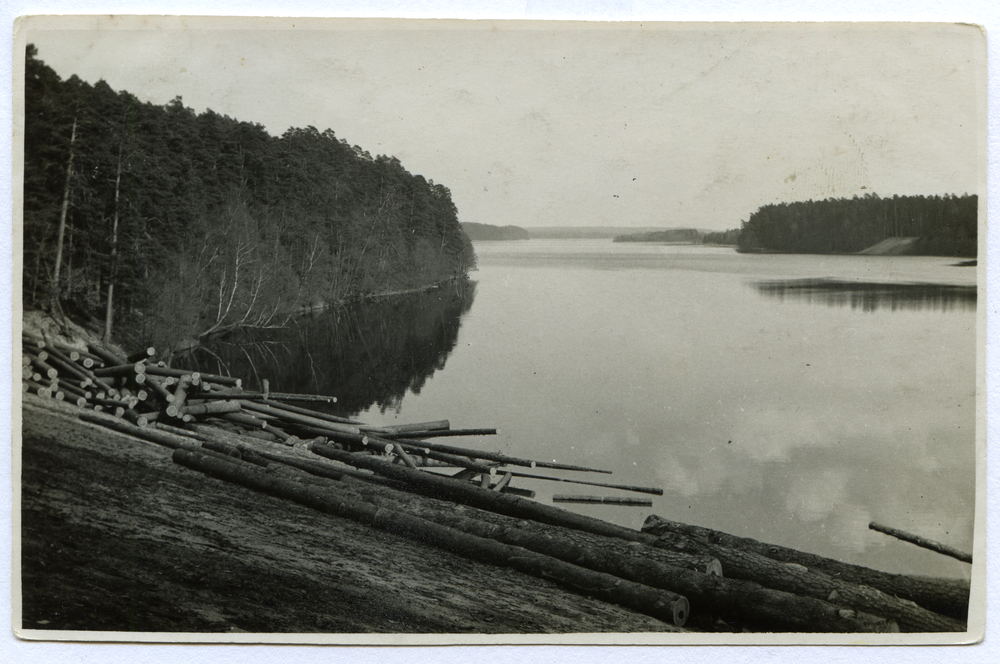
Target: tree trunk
[65, 209]
[950, 598]
[109, 311]
[799, 580]
[757, 606]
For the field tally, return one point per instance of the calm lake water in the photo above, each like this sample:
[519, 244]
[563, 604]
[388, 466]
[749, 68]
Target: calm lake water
[791, 399]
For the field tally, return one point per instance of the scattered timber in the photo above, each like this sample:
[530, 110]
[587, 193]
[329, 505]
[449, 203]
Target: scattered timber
[670, 570]
[947, 597]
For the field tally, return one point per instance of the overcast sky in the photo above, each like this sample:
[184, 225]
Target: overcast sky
[585, 124]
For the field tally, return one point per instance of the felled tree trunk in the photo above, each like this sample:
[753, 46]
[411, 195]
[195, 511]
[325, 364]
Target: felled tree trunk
[749, 602]
[950, 598]
[797, 579]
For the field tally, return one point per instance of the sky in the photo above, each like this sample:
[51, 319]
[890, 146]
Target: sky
[573, 124]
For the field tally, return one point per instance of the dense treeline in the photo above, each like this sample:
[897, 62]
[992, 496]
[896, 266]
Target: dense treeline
[186, 225]
[679, 235]
[490, 232]
[945, 225]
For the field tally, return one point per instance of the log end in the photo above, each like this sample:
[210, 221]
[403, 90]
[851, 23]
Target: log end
[681, 611]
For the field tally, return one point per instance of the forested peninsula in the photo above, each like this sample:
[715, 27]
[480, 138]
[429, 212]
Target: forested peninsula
[936, 225]
[490, 232]
[165, 226]
[670, 235]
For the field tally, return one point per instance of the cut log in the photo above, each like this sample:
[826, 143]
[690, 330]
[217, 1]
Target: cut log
[44, 367]
[606, 500]
[280, 434]
[156, 384]
[441, 433]
[404, 428]
[663, 605]
[447, 488]
[623, 487]
[121, 370]
[67, 366]
[311, 467]
[107, 356]
[289, 416]
[502, 484]
[177, 373]
[453, 459]
[797, 579]
[763, 608]
[488, 456]
[244, 419]
[230, 406]
[176, 407]
[947, 597]
[922, 542]
[142, 355]
[148, 434]
[282, 396]
[311, 413]
[407, 459]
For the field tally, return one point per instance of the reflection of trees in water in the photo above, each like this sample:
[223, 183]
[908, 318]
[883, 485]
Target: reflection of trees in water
[872, 296]
[363, 353]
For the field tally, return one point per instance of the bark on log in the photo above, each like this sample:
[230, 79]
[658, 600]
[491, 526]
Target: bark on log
[799, 580]
[663, 605]
[656, 491]
[244, 419]
[157, 436]
[447, 488]
[311, 413]
[44, 367]
[156, 384]
[605, 500]
[502, 484]
[297, 418]
[203, 377]
[65, 365]
[142, 355]
[401, 453]
[121, 371]
[460, 461]
[441, 433]
[922, 542]
[107, 355]
[950, 598]
[436, 425]
[311, 467]
[275, 431]
[230, 406]
[488, 456]
[761, 607]
[514, 491]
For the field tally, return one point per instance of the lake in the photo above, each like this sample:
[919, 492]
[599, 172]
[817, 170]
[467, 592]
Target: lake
[788, 398]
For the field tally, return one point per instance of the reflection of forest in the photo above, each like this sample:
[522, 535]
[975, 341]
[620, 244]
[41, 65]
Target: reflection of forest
[364, 353]
[872, 296]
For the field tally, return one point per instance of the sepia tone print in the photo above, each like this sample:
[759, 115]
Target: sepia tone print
[413, 332]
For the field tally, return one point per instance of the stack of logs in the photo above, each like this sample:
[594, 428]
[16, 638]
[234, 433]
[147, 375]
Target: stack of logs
[668, 570]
